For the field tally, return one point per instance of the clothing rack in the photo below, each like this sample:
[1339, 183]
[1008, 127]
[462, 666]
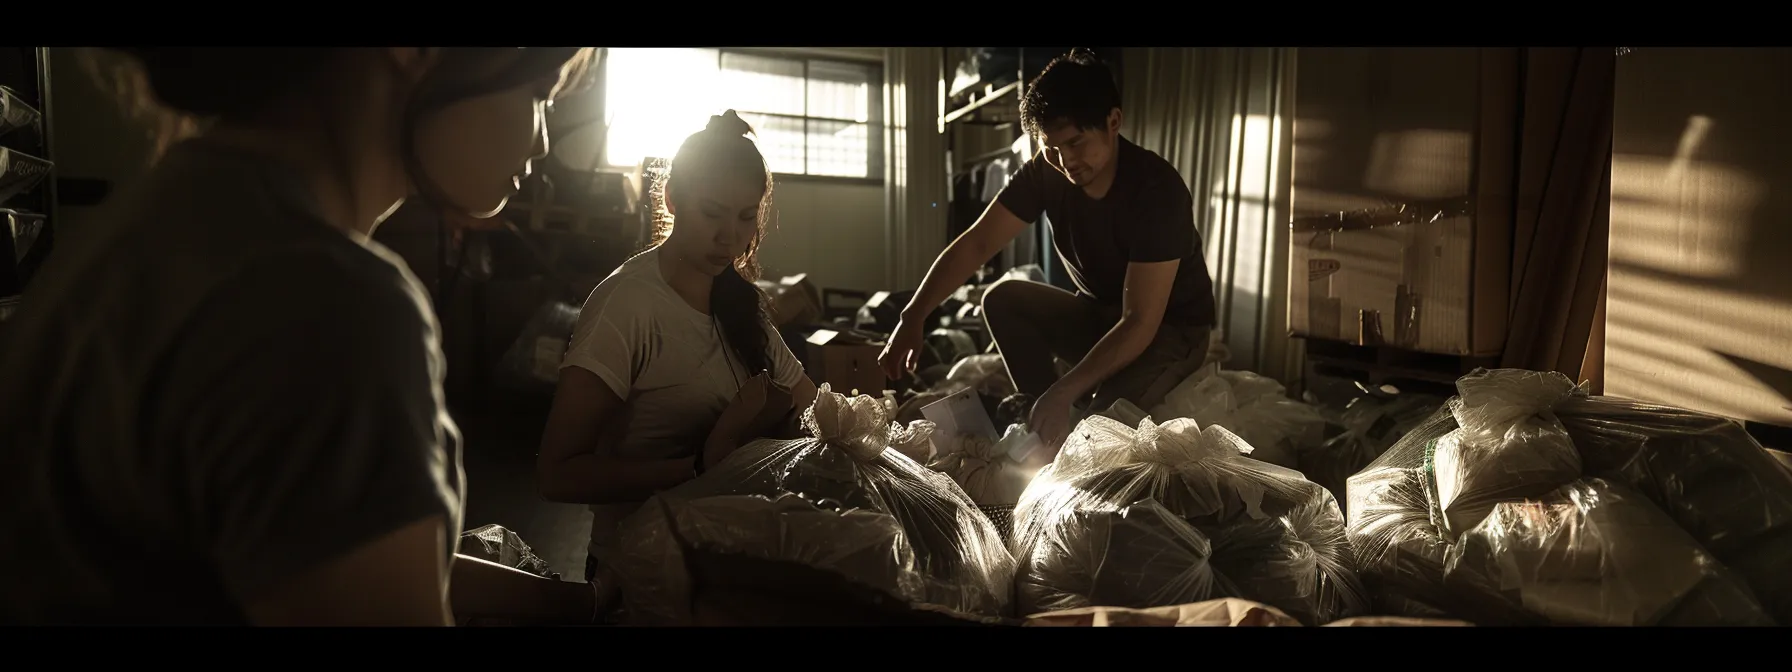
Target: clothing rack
[30, 217]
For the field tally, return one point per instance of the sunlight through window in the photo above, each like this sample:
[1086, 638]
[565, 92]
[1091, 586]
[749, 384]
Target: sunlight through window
[812, 116]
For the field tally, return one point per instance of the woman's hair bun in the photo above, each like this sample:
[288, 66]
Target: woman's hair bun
[729, 123]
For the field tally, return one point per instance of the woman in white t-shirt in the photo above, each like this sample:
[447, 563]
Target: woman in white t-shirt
[668, 341]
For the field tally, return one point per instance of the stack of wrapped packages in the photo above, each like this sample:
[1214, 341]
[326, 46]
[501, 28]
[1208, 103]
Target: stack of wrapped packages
[1525, 501]
[1157, 516]
[841, 501]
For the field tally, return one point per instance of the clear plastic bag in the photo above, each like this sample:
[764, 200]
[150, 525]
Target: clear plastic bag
[1254, 407]
[1508, 445]
[1514, 439]
[1704, 472]
[1364, 429]
[1173, 514]
[986, 373]
[992, 473]
[495, 543]
[1595, 553]
[839, 501]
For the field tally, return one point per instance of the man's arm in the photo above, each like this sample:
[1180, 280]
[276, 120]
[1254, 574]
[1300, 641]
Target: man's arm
[962, 257]
[1147, 293]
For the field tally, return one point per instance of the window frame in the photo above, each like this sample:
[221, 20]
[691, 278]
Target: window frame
[875, 160]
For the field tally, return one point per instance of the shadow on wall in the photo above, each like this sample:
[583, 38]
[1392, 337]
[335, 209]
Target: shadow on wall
[1700, 292]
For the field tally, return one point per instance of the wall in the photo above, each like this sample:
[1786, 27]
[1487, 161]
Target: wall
[1700, 295]
[832, 231]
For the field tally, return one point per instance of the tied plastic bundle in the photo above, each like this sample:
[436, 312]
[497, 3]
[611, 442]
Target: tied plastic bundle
[1254, 407]
[840, 501]
[1595, 553]
[1175, 514]
[1704, 472]
[992, 473]
[1458, 482]
[1361, 432]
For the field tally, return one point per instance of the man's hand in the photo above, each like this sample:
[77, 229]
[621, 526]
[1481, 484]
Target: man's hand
[1051, 418]
[902, 352]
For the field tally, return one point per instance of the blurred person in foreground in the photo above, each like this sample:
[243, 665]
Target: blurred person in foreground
[223, 400]
[1122, 222]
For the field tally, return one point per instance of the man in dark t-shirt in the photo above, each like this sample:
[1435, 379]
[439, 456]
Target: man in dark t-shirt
[1122, 221]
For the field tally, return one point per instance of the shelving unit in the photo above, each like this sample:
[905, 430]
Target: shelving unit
[979, 125]
[28, 215]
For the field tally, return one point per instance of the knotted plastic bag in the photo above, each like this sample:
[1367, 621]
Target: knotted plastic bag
[840, 501]
[1166, 514]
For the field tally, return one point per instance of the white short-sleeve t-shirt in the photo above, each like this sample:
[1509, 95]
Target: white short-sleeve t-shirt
[669, 365]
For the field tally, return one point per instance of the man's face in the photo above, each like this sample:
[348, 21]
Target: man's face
[1080, 154]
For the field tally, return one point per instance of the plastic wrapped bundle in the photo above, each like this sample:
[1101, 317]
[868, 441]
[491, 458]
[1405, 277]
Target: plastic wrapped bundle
[1367, 427]
[1400, 552]
[1170, 561]
[1170, 514]
[1704, 472]
[1524, 435]
[840, 501]
[992, 473]
[1596, 553]
[1255, 408]
[1508, 446]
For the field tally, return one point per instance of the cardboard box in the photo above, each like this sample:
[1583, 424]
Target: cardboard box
[1401, 227]
[795, 300]
[846, 362]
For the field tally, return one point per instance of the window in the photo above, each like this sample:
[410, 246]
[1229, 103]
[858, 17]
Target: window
[813, 116]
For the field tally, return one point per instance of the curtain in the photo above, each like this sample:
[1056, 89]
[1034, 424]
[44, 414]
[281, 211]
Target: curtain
[1561, 209]
[915, 175]
[1222, 116]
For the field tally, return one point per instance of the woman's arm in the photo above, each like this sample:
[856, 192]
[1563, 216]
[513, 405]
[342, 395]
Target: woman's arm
[573, 466]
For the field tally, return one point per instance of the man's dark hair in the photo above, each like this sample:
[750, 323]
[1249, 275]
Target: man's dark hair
[1076, 87]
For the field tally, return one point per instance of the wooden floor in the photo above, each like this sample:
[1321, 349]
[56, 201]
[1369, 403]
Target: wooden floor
[500, 464]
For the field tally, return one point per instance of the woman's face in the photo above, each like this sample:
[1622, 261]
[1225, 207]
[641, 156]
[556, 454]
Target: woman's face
[478, 150]
[714, 221]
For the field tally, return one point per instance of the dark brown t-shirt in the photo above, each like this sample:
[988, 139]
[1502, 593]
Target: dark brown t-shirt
[1147, 216]
[207, 392]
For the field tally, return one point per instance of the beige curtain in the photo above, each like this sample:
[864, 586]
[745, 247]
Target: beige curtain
[915, 182]
[1561, 208]
[1222, 117]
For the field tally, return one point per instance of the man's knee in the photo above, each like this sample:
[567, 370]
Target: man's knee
[1012, 299]
[1003, 295]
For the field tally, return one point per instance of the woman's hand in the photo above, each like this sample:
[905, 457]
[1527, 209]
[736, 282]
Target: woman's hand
[736, 423]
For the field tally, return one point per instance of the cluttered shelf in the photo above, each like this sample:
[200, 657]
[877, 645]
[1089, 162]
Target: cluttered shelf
[27, 170]
[990, 95]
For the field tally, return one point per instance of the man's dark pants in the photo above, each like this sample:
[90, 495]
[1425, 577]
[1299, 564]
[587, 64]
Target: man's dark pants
[1031, 323]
